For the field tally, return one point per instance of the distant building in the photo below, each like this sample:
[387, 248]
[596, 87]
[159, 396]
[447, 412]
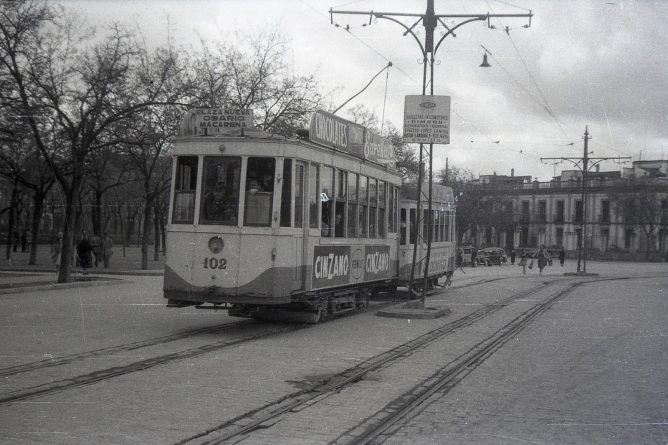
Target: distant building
[626, 211]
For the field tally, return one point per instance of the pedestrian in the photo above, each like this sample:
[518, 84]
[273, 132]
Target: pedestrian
[16, 241]
[512, 256]
[84, 251]
[24, 241]
[96, 245]
[543, 258]
[523, 261]
[474, 255]
[107, 251]
[56, 246]
[562, 256]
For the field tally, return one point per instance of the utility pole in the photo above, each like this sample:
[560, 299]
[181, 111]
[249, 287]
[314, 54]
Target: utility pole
[582, 164]
[430, 21]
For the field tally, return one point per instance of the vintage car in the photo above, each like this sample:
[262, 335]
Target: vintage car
[493, 255]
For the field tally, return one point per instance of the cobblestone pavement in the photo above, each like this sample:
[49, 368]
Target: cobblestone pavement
[589, 370]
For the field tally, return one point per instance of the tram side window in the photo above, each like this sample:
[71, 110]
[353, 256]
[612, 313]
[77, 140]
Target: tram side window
[352, 205]
[391, 217]
[185, 185]
[286, 192]
[220, 194]
[340, 211]
[299, 194]
[373, 208]
[413, 226]
[314, 196]
[326, 200]
[381, 209]
[446, 231]
[402, 226]
[363, 205]
[259, 191]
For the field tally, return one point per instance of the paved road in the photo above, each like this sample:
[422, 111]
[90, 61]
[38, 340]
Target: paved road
[591, 369]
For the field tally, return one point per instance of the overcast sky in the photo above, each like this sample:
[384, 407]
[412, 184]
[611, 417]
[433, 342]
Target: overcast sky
[595, 63]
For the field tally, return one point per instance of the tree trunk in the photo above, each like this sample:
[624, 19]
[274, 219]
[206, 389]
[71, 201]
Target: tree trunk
[69, 237]
[11, 222]
[145, 233]
[38, 209]
[96, 214]
[156, 233]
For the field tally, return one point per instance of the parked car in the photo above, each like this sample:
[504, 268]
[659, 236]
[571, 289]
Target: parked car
[493, 255]
[467, 255]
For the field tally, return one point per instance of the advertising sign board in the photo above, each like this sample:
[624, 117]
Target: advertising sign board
[335, 132]
[331, 266]
[427, 119]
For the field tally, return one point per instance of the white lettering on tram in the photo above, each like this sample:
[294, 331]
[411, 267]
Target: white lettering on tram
[377, 262]
[331, 266]
[331, 130]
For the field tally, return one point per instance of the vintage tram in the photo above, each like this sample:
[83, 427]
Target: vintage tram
[260, 223]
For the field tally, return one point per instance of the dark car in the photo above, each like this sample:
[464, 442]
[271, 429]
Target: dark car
[494, 255]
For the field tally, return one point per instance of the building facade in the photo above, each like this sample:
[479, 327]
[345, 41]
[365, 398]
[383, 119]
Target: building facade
[625, 210]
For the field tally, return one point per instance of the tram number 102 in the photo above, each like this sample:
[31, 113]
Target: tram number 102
[215, 263]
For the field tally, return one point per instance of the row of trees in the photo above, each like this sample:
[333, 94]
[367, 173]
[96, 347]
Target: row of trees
[89, 113]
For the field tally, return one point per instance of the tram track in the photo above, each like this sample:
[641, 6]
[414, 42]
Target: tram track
[156, 341]
[96, 376]
[267, 414]
[379, 427]
[127, 347]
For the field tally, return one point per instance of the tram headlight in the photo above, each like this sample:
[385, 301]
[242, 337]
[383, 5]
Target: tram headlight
[216, 244]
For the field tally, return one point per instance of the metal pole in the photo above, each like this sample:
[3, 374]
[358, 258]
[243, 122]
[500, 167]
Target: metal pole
[585, 169]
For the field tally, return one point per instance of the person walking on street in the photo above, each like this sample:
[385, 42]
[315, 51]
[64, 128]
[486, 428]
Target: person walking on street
[55, 249]
[107, 251]
[543, 258]
[84, 251]
[96, 245]
[512, 256]
[562, 256]
[523, 261]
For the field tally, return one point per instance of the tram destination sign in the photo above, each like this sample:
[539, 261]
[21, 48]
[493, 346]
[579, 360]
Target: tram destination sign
[215, 121]
[427, 119]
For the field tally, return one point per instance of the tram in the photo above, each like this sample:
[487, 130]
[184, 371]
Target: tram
[260, 223]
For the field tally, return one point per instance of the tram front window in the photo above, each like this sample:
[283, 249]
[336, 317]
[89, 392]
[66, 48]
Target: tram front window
[259, 191]
[220, 196]
[184, 190]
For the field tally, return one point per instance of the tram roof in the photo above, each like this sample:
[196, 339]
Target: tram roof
[327, 131]
[440, 193]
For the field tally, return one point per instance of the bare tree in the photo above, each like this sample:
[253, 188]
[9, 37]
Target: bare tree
[255, 75]
[83, 89]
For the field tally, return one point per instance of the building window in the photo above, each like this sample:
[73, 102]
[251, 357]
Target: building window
[542, 211]
[578, 211]
[605, 211]
[525, 211]
[559, 217]
[560, 236]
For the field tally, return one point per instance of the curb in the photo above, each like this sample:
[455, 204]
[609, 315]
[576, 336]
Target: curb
[59, 286]
[152, 272]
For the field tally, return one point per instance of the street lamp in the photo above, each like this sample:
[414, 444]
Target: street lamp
[430, 21]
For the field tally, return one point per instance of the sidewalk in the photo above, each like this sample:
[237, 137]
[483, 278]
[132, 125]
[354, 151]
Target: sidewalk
[130, 264]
